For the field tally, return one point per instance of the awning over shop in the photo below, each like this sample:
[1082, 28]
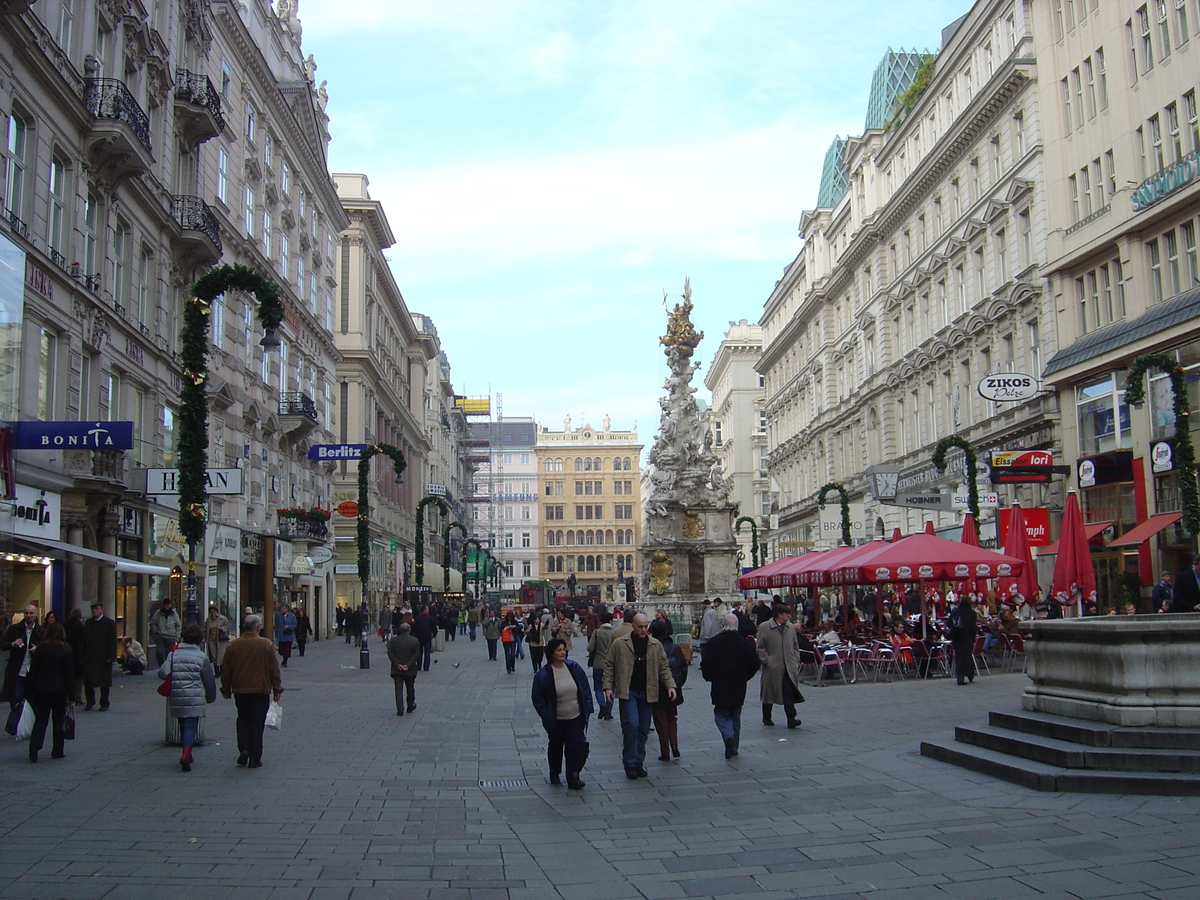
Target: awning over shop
[1089, 530]
[434, 577]
[1143, 531]
[118, 562]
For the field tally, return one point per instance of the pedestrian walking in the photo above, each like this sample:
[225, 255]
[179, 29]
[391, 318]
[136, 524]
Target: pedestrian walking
[665, 712]
[304, 629]
[564, 628]
[216, 637]
[472, 621]
[491, 633]
[779, 653]
[250, 676]
[193, 686]
[598, 645]
[385, 623]
[535, 638]
[404, 658]
[424, 629]
[729, 662]
[285, 632]
[636, 672]
[508, 637]
[19, 638]
[165, 627]
[710, 622]
[563, 701]
[50, 687]
[99, 654]
[961, 628]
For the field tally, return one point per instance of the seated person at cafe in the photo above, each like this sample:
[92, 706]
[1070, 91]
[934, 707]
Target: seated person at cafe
[828, 636]
[903, 644]
[1005, 623]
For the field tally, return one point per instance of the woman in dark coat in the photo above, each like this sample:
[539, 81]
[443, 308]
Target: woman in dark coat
[666, 710]
[50, 686]
[563, 699]
[962, 636]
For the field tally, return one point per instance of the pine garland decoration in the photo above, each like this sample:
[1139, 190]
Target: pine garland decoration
[193, 397]
[446, 555]
[478, 562]
[420, 552]
[737, 528]
[364, 504]
[939, 462]
[824, 492]
[1185, 453]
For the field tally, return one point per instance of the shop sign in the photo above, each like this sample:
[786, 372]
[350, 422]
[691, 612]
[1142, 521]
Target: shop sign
[830, 519]
[437, 490]
[1037, 525]
[345, 569]
[252, 545]
[86, 435]
[283, 558]
[216, 481]
[1166, 182]
[347, 509]
[1107, 468]
[336, 452]
[1162, 457]
[320, 554]
[1023, 458]
[224, 542]
[37, 279]
[1008, 387]
[36, 513]
[167, 541]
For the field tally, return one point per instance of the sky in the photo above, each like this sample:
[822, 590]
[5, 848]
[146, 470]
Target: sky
[551, 167]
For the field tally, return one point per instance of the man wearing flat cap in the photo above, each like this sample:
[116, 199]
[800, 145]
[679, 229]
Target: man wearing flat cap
[779, 653]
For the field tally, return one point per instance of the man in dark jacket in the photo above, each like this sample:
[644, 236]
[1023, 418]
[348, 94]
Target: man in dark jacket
[99, 653]
[424, 629]
[19, 638]
[729, 662]
[404, 656]
[1186, 596]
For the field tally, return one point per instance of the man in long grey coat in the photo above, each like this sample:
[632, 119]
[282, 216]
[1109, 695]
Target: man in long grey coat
[404, 658]
[780, 656]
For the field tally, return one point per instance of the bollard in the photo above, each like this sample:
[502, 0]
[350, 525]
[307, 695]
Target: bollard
[364, 655]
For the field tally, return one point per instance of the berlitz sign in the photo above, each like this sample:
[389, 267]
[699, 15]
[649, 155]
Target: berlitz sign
[335, 452]
[1008, 387]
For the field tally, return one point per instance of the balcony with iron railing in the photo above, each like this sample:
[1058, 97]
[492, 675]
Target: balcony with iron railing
[200, 235]
[198, 108]
[121, 129]
[307, 529]
[297, 414]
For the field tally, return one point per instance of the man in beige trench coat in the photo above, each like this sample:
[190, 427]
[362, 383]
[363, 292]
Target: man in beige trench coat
[780, 656]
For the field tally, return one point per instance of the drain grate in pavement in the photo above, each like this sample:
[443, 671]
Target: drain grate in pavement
[485, 721]
[504, 783]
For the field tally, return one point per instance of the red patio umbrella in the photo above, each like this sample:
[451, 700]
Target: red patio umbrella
[1074, 573]
[758, 579]
[1016, 543]
[927, 557]
[970, 537]
[929, 529]
[896, 535]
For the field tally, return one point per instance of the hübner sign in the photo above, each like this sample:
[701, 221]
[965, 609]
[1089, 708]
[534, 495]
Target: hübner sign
[1008, 387]
[216, 481]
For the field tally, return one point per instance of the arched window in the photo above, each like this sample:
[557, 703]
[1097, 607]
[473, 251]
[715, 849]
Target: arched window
[591, 564]
[570, 538]
[581, 565]
[629, 537]
[627, 464]
[559, 563]
[578, 464]
[590, 538]
[558, 537]
[558, 465]
[596, 464]
[549, 465]
[550, 564]
[587, 464]
[608, 537]
[620, 536]
[629, 563]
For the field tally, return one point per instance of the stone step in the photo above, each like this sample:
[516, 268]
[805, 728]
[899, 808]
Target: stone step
[1071, 755]
[1097, 734]
[1042, 777]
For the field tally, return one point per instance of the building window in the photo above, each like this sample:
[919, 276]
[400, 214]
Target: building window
[1147, 42]
[249, 201]
[91, 219]
[1193, 124]
[1164, 28]
[1191, 272]
[142, 310]
[1089, 84]
[14, 182]
[120, 263]
[226, 79]
[222, 175]
[251, 123]
[1171, 252]
[1103, 417]
[58, 194]
[45, 386]
[1156, 275]
[1173, 130]
[1102, 78]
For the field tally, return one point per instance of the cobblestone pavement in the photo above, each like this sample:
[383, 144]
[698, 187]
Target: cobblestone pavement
[353, 802]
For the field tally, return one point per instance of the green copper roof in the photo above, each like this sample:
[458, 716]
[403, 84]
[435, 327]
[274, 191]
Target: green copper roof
[834, 182]
[892, 77]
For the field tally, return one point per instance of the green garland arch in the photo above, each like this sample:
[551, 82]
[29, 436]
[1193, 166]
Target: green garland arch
[424, 502]
[939, 462]
[1185, 453]
[737, 528]
[446, 555]
[193, 396]
[399, 463]
[823, 493]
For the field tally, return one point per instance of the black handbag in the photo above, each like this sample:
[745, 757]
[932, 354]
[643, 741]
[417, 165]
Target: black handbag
[68, 726]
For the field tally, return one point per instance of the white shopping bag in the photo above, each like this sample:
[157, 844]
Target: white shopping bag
[25, 726]
[275, 715]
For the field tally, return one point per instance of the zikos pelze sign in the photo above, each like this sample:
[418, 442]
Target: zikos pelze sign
[1008, 387]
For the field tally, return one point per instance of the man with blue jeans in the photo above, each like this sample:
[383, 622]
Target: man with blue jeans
[598, 645]
[729, 662]
[636, 672]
